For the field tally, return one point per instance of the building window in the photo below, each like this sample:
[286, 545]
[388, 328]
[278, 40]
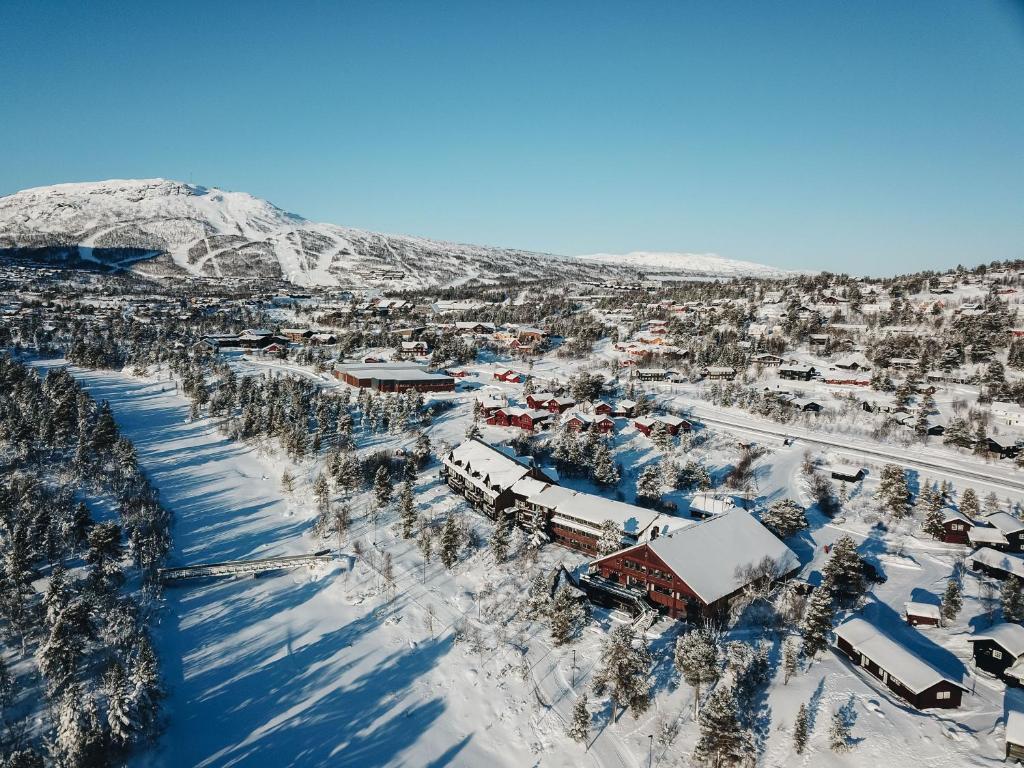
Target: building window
[997, 654]
[942, 695]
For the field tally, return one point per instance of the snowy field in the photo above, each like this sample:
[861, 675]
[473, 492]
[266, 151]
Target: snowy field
[319, 668]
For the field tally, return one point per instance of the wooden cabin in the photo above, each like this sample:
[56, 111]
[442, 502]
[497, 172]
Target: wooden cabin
[897, 668]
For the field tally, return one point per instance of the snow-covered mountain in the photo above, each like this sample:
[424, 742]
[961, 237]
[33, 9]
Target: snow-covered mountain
[166, 228]
[159, 227]
[697, 264]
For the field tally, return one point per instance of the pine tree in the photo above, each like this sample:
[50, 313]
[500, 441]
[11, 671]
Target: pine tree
[407, 510]
[969, 503]
[473, 431]
[817, 622]
[844, 570]
[957, 433]
[287, 481]
[800, 730]
[382, 486]
[790, 661]
[579, 726]
[501, 537]
[839, 733]
[722, 741]
[893, 493]
[120, 718]
[623, 671]
[1013, 600]
[605, 472]
[566, 616]
[696, 658]
[933, 513]
[449, 545]
[991, 503]
[952, 601]
[610, 539]
[785, 518]
[7, 689]
[425, 544]
[648, 485]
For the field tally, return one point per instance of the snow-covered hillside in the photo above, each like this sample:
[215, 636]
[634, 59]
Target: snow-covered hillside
[162, 227]
[167, 228]
[700, 264]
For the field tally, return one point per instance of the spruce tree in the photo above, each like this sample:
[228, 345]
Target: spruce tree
[790, 660]
[407, 510]
[449, 544]
[120, 717]
[1013, 600]
[610, 539]
[844, 570]
[817, 622]
[579, 726]
[501, 537]
[969, 503]
[382, 486]
[566, 616]
[322, 493]
[839, 733]
[933, 513]
[952, 601]
[800, 730]
[648, 485]
[893, 494]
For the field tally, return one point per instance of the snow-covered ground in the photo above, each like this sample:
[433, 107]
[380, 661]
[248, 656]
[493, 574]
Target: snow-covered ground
[318, 668]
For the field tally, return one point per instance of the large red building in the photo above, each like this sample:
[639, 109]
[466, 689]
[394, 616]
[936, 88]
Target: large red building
[696, 570]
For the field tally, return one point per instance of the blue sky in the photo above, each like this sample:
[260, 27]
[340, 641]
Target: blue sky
[869, 136]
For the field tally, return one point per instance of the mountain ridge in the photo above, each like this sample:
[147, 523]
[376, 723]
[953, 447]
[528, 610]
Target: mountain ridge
[166, 228]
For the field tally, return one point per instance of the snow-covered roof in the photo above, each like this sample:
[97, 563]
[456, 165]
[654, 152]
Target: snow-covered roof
[925, 610]
[980, 534]
[1009, 636]
[707, 555]
[711, 505]
[1000, 560]
[480, 460]
[912, 671]
[1005, 522]
[1015, 727]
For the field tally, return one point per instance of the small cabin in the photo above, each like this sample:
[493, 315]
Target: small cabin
[1015, 736]
[999, 651]
[922, 614]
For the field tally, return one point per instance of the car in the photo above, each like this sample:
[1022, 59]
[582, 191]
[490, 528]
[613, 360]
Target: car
[787, 440]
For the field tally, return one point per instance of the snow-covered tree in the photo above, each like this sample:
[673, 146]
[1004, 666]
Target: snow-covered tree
[696, 658]
[817, 622]
[839, 733]
[648, 485]
[579, 726]
[800, 730]
[624, 667]
[448, 550]
[382, 486]
[120, 716]
[1013, 600]
[567, 615]
[605, 472]
[790, 660]
[501, 537]
[407, 510]
[610, 539]
[969, 503]
[952, 600]
[722, 741]
[844, 570]
[785, 518]
[933, 513]
[893, 494]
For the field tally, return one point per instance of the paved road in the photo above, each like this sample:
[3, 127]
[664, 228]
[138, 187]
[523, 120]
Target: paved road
[895, 455]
